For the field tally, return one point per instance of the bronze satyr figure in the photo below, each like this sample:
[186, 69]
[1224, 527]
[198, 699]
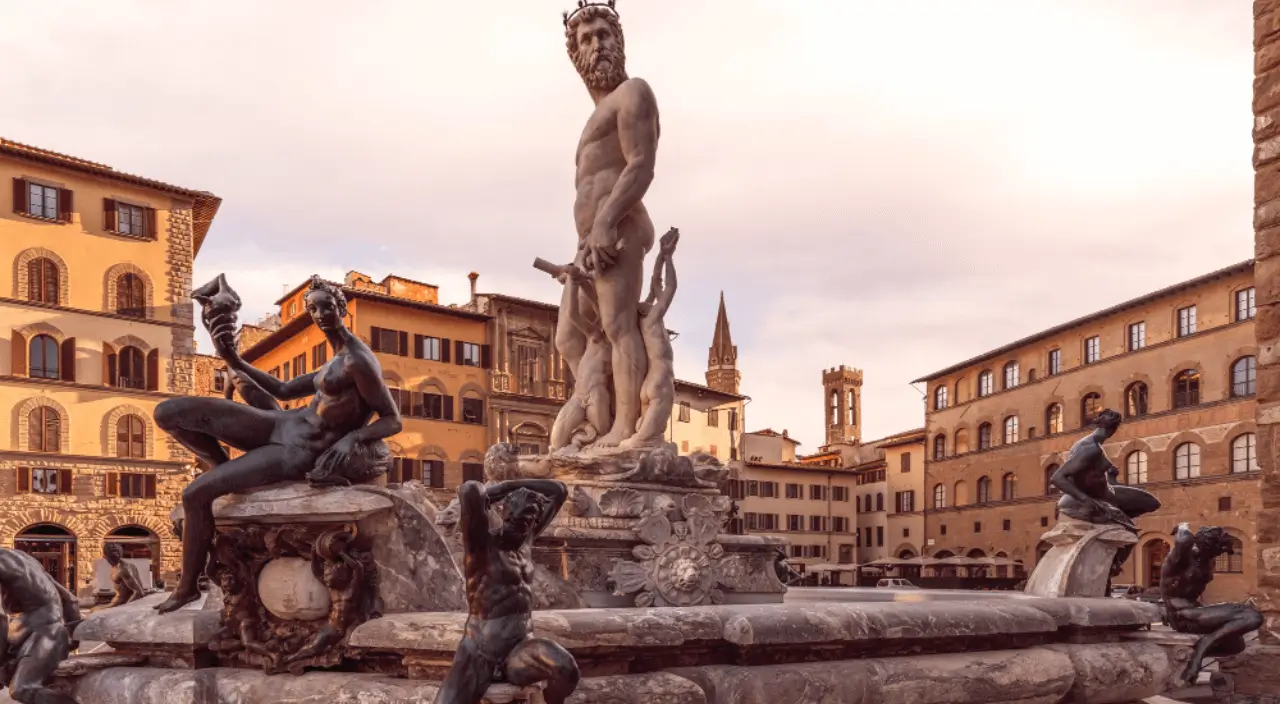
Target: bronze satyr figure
[36, 621]
[331, 436]
[1186, 571]
[497, 645]
[124, 576]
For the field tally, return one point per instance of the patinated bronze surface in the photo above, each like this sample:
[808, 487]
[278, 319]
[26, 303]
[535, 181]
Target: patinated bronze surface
[36, 625]
[1185, 574]
[124, 576]
[331, 440]
[497, 644]
[250, 634]
[1089, 490]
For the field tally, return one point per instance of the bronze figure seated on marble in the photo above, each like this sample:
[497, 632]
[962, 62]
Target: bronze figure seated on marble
[124, 576]
[1186, 572]
[331, 437]
[37, 617]
[497, 644]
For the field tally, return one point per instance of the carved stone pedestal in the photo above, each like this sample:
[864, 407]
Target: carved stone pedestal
[1252, 677]
[1079, 563]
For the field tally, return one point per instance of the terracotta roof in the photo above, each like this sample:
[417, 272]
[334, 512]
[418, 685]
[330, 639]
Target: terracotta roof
[204, 204]
[771, 433]
[707, 390]
[1169, 291]
[525, 301]
[903, 438]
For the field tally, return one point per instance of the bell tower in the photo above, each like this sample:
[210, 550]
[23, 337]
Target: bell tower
[722, 361]
[842, 392]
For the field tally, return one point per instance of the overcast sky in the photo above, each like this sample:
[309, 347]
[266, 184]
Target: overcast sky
[893, 185]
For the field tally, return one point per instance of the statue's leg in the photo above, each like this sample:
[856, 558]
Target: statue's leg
[1216, 623]
[202, 424]
[542, 660]
[260, 467]
[469, 676]
[618, 290]
[659, 395]
[41, 657]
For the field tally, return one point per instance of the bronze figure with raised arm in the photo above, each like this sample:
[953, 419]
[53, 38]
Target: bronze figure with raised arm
[331, 436]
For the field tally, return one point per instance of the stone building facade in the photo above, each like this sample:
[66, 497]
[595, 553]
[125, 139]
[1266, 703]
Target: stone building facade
[1179, 364]
[97, 312]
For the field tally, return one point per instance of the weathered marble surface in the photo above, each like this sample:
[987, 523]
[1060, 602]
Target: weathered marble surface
[1115, 673]
[292, 502]
[1097, 613]
[1079, 563]
[137, 623]
[416, 571]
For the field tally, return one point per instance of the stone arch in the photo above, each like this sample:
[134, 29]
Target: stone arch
[905, 547]
[529, 427]
[471, 388]
[31, 330]
[21, 429]
[1151, 548]
[111, 521]
[471, 456]
[111, 283]
[131, 341]
[393, 379]
[20, 273]
[432, 383]
[109, 422]
[434, 452]
[14, 523]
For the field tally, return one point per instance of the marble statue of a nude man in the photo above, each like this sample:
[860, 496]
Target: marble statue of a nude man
[588, 412]
[658, 392]
[615, 165]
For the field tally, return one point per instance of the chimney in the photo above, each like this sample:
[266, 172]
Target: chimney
[473, 276]
[784, 433]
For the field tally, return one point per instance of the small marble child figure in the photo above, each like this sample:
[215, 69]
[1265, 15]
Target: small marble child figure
[589, 412]
[657, 393]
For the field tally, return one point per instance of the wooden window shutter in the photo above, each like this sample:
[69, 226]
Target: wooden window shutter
[68, 366]
[375, 339]
[150, 215]
[64, 481]
[151, 486]
[19, 354]
[403, 350]
[448, 408]
[437, 474]
[457, 351]
[108, 364]
[418, 346]
[153, 370]
[486, 356]
[109, 215]
[23, 479]
[393, 472]
[65, 207]
[444, 350]
[20, 195]
[113, 483]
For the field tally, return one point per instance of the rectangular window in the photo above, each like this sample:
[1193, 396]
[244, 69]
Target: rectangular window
[879, 536]
[319, 355]
[684, 412]
[867, 532]
[388, 341]
[130, 220]
[942, 529]
[817, 492]
[815, 524]
[769, 490]
[472, 472]
[470, 356]
[49, 481]
[770, 521]
[840, 493]
[1224, 503]
[713, 418]
[753, 488]
[1244, 304]
[977, 526]
[1008, 525]
[1137, 336]
[429, 348]
[473, 411]
[433, 407]
[1092, 350]
[1186, 321]
[733, 419]
[906, 532]
[905, 461]
[793, 491]
[1044, 521]
[42, 201]
[752, 520]
[300, 365]
[906, 501]
[795, 521]
[220, 378]
[797, 551]
[284, 375]
[1055, 362]
[131, 485]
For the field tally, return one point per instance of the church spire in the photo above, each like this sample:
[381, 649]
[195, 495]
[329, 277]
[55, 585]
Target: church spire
[722, 360]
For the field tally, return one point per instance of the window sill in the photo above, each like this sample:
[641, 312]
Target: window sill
[126, 235]
[37, 218]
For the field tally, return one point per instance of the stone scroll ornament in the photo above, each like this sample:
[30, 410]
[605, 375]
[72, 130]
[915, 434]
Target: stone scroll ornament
[288, 632]
[679, 562]
[1186, 572]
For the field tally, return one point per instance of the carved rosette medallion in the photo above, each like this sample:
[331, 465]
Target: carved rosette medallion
[251, 634]
[679, 560]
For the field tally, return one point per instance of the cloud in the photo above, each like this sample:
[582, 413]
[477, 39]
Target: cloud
[893, 186]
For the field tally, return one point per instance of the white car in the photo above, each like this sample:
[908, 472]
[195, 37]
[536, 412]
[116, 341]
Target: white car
[895, 584]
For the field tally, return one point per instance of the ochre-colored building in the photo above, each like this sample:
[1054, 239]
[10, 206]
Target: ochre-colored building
[1178, 364]
[96, 307]
[435, 359]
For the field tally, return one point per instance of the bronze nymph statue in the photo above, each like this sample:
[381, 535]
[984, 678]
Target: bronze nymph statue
[497, 643]
[124, 576]
[332, 436]
[37, 618]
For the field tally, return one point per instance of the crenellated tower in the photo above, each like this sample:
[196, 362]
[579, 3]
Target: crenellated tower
[722, 361]
[842, 391]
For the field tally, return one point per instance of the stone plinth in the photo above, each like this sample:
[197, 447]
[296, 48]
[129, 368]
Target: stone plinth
[1079, 563]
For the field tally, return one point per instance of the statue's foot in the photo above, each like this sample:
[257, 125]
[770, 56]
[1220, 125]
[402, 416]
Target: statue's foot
[177, 600]
[1191, 674]
[613, 439]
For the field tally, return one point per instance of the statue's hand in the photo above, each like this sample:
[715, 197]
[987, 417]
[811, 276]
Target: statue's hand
[602, 247]
[337, 456]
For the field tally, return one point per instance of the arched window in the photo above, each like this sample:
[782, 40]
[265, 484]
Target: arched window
[959, 494]
[131, 437]
[939, 398]
[1244, 453]
[1135, 468]
[959, 389]
[939, 496]
[42, 281]
[879, 502]
[852, 418]
[1011, 375]
[1186, 461]
[1049, 488]
[939, 446]
[1135, 400]
[44, 430]
[1053, 419]
[986, 383]
[1232, 562]
[1244, 377]
[1010, 430]
[131, 296]
[984, 436]
[984, 490]
[43, 358]
[1090, 407]
[1186, 388]
[1009, 487]
[962, 442]
[132, 369]
[835, 408]
[1031, 375]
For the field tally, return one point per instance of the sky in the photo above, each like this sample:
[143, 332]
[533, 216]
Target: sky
[894, 186]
